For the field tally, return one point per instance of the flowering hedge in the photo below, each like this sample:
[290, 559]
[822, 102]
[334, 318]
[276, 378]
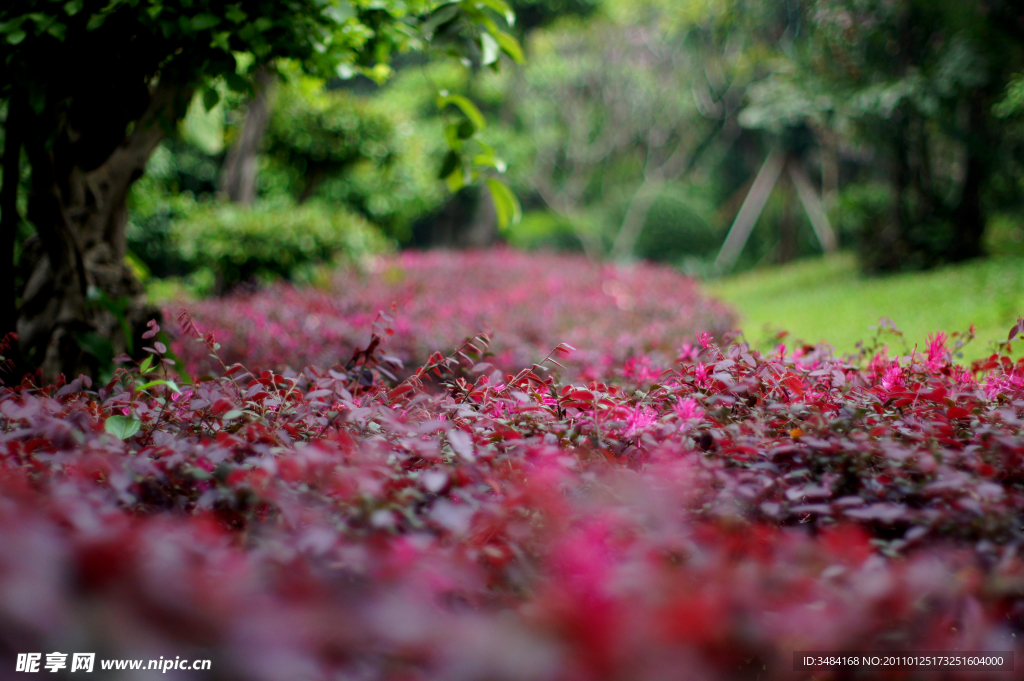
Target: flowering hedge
[467, 523]
[528, 302]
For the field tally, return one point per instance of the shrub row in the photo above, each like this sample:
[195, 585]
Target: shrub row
[528, 303]
[225, 245]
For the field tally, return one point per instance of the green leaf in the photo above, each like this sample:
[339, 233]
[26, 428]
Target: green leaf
[122, 427]
[510, 46]
[147, 364]
[341, 12]
[15, 37]
[457, 180]
[236, 83]
[506, 205]
[57, 30]
[451, 163]
[170, 384]
[235, 14]
[73, 7]
[440, 18]
[489, 49]
[451, 135]
[201, 22]
[210, 98]
[490, 161]
[95, 21]
[467, 107]
[222, 41]
[503, 9]
[465, 130]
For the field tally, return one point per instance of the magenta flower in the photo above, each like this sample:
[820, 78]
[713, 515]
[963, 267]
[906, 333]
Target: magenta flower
[639, 420]
[893, 378]
[688, 409]
[938, 354]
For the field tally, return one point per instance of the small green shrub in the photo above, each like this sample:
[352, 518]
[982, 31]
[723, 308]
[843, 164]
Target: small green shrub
[860, 205]
[1004, 234]
[680, 226]
[226, 245]
[542, 229]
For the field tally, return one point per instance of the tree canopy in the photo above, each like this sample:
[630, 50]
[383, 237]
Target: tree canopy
[92, 86]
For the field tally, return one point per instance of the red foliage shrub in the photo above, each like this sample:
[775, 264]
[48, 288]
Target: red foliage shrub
[467, 524]
[527, 303]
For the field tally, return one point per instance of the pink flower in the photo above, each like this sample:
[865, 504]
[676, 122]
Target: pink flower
[938, 355]
[893, 378]
[641, 418]
[687, 353]
[1004, 383]
[688, 409]
[640, 370]
[702, 373]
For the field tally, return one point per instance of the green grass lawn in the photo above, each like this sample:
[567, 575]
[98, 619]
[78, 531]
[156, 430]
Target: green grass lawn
[826, 299]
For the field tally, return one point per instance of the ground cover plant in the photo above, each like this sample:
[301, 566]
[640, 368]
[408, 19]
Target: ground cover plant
[621, 319]
[469, 523]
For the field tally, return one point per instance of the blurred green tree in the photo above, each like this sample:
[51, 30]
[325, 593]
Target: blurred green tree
[639, 106]
[919, 82]
[369, 153]
[127, 72]
[610, 113]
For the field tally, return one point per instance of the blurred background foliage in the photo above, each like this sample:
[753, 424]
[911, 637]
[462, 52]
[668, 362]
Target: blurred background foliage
[634, 129]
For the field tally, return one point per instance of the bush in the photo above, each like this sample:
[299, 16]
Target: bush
[544, 230]
[369, 155]
[866, 212]
[175, 175]
[529, 302]
[679, 227]
[1004, 234]
[237, 244]
[469, 524]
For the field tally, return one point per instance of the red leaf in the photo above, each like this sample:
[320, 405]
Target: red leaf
[400, 390]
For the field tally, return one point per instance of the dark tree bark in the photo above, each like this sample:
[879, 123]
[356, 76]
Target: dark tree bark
[238, 177]
[77, 202]
[969, 215]
[482, 231]
[9, 218]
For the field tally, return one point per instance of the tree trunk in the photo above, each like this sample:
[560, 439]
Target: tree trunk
[79, 297]
[9, 217]
[969, 217]
[238, 178]
[482, 230]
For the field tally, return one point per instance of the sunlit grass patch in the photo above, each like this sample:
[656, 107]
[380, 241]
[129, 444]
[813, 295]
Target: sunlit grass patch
[827, 299]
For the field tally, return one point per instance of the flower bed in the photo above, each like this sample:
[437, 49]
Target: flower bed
[528, 303]
[467, 523]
